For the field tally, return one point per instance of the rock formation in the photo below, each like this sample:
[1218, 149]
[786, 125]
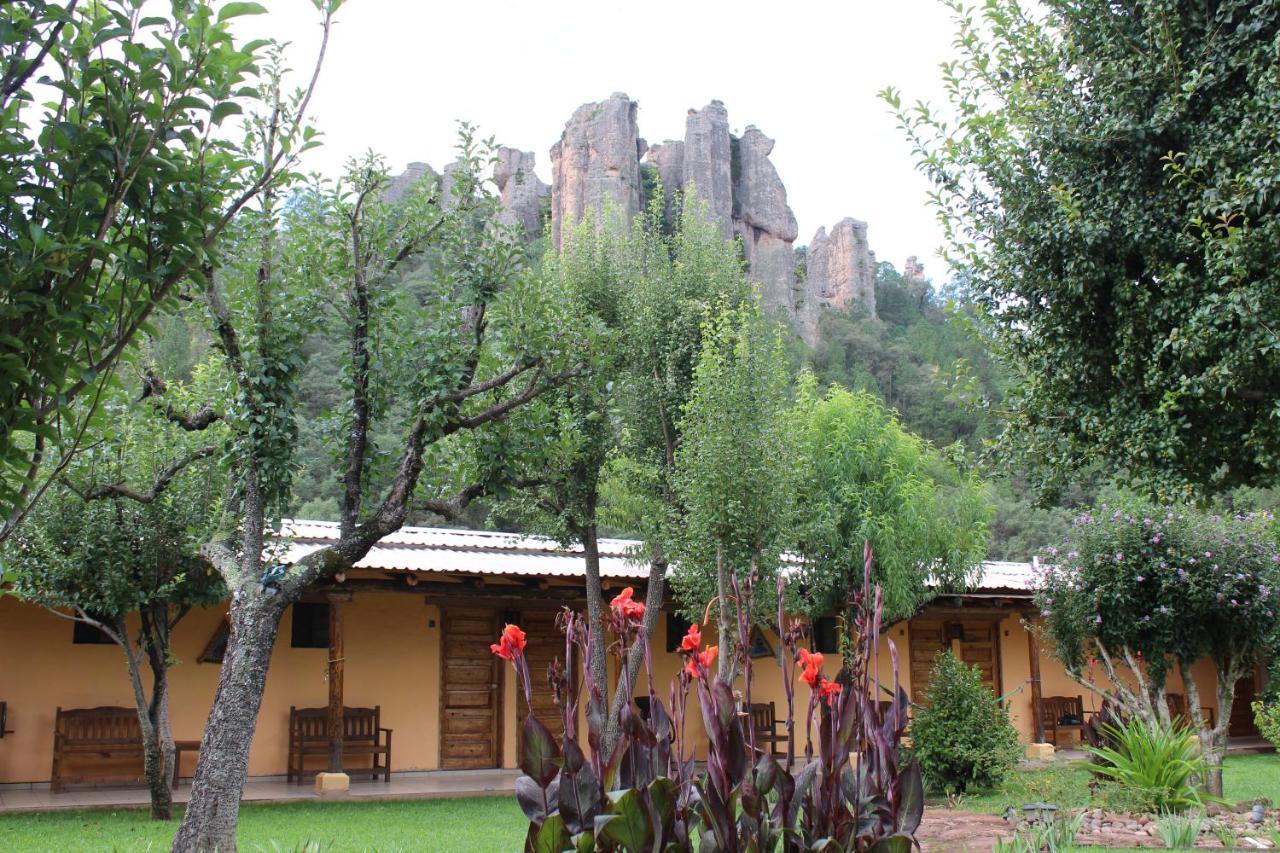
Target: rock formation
[596, 161]
[708, 167]
[840, 270]
[596, 166]
[765, 222]
[913, 270]
[522, 191]
[401, 183]
[668, 159]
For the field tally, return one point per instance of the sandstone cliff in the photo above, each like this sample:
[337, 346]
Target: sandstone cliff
[840, 270]
[596, 166]
[708, 170]
[595, 163]
[521, 191]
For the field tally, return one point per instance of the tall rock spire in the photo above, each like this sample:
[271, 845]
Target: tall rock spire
[595, 163]
[522, 191]
[840, 270]
[708, 166]
[765, 221]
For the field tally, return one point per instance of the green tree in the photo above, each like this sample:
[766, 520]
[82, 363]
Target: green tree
[735, 475]
[439, 366]
[1105, 174]
[112, 194]
[863, 478]
[116, 544]
[961, 734]
[1146, 589]
[578, 426]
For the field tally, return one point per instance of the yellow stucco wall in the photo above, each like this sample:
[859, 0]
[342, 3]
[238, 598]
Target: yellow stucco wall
[392, 660]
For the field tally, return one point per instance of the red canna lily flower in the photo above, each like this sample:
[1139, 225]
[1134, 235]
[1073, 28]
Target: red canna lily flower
[628, 607]
[510, 642]
[812, 663]
[692, 640]
[829, 691]
[701, 660]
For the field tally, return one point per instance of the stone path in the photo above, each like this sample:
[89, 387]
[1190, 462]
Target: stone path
[953, 830]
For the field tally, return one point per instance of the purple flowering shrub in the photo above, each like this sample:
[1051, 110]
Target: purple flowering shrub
[1140, 590]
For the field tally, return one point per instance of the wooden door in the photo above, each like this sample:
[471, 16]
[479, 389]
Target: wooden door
[1242, 723]
[470, 694]
[545, 645]
[980, 647]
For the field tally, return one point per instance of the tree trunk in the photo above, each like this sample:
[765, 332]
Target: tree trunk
[1214, 741]
[210, 821]
[153, 763]
[158, 779]
[598, 666]
[728, 627]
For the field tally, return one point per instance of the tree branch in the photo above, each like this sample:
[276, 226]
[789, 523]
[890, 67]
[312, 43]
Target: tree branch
[162, 481]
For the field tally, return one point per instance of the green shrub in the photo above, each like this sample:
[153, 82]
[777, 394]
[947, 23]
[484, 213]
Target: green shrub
[962, 736]
[1179, 831]
[1267, 716]
[1158, 765]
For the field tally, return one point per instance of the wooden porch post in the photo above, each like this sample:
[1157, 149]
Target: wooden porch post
[1037, 699]
[336, 602]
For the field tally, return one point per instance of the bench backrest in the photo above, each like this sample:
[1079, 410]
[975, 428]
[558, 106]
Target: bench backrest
[764, 717]
[358, 724]
[105, 725]
[1056, 708]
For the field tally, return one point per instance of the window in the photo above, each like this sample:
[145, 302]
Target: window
[825, 635]
[310, 626]
[84, 634]
[216, 649]
[677, 627]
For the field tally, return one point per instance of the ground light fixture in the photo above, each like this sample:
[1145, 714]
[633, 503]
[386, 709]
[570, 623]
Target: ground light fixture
[1041, 814]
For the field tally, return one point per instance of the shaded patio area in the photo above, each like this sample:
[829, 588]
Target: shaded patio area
[431, 784]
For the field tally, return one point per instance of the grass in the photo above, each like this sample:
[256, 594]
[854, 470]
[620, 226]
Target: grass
[484, 823]
[466, 824]
[1065, 784]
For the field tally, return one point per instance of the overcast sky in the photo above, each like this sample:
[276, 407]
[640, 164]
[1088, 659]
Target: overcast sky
[400, 73]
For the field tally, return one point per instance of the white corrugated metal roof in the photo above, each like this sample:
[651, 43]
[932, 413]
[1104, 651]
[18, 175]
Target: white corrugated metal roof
[1002, 574]
[439, 549]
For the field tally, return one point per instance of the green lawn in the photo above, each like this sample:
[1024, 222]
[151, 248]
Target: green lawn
[1244, 778]
[489, 824]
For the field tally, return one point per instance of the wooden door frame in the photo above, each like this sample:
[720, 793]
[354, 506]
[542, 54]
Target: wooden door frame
[993, 619]
[498, 673]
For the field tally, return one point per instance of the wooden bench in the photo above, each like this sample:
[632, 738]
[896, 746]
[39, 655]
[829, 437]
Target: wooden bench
[105, 732]
[764, 721]
[1178, 710]
[362, 735]
[1060, 714]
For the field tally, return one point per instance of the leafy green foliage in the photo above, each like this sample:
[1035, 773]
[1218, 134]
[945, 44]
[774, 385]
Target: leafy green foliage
[1171, 583]
[961, 735]
[675, 281]
[111, 195]
[1267, 716]
[865, 478]
[1160, 764]
[1104, 176]
[735, 466]
[1178, 831]
[91, 549]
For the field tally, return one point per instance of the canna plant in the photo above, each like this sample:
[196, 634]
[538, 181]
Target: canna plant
[851, 791]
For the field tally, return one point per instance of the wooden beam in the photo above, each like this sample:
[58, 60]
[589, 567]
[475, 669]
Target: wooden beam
[337, 601]
[1037, 699]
